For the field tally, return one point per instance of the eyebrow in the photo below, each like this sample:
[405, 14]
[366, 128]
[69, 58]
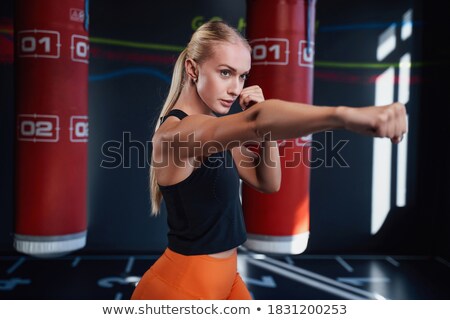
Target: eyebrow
[231, 68]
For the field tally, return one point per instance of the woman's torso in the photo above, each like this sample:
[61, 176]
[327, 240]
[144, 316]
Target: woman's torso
[177, 170]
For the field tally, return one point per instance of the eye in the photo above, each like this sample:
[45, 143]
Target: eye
[225, 73]
[245, 76]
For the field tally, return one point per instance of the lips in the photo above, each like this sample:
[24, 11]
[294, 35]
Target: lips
[226, 103]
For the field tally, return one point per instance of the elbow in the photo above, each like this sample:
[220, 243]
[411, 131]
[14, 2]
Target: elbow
[270, 187]
[269, 190]
[276, 186]
[274, 189]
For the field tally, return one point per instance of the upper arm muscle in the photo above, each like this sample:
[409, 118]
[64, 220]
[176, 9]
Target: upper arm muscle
[201, 135]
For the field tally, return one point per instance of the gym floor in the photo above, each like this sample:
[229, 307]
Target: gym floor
[305, 277]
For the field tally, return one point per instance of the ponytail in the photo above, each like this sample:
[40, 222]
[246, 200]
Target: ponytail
[178, 79]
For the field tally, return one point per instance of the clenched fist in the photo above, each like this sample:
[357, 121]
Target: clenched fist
[250, 96]
[382, 121]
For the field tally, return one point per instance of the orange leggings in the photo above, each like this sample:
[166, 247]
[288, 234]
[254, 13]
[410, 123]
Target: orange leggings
[178, 277]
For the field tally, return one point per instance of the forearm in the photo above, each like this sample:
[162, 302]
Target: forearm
[268, 170]
[278, 119]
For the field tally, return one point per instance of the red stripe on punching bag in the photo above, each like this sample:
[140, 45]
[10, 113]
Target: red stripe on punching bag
[51, 55]
[281, 34]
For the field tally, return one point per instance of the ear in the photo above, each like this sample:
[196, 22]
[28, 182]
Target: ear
[191, 69]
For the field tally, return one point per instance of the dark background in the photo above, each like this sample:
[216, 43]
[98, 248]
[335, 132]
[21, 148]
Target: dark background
[127, 86]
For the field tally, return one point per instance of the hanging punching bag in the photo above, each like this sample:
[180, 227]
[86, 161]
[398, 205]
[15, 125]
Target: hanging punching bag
[281, 34]
[51, 57]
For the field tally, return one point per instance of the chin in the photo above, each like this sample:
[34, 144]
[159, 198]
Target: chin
[221, 110]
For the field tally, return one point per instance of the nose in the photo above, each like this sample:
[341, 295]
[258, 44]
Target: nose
[234, 87]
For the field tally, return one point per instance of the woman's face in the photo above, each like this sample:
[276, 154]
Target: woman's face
[221, 78]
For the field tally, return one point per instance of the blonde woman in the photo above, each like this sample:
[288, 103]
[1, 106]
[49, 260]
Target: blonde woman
[198, 159]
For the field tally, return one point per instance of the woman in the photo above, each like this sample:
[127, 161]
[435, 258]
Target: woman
[198, 159]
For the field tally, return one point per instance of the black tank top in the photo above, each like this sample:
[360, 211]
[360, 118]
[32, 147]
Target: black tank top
[204, 212]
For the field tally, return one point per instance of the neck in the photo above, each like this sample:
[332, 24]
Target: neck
[190, 102]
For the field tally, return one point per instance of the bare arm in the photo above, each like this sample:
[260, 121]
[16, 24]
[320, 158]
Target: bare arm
[262, 171]
[282, 120]
[198, 135]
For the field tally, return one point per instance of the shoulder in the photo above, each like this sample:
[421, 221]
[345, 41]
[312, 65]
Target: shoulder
[173, 126]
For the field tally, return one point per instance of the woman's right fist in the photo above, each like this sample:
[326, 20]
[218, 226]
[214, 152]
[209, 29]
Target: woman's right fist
[381, 121]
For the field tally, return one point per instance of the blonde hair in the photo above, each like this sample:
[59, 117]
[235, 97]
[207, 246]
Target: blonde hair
[199, 49]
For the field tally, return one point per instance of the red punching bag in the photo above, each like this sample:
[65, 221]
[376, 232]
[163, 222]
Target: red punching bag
[281, 33]
[51, 57]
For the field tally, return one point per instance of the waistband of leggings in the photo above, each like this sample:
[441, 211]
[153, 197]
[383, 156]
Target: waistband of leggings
[178, 257]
